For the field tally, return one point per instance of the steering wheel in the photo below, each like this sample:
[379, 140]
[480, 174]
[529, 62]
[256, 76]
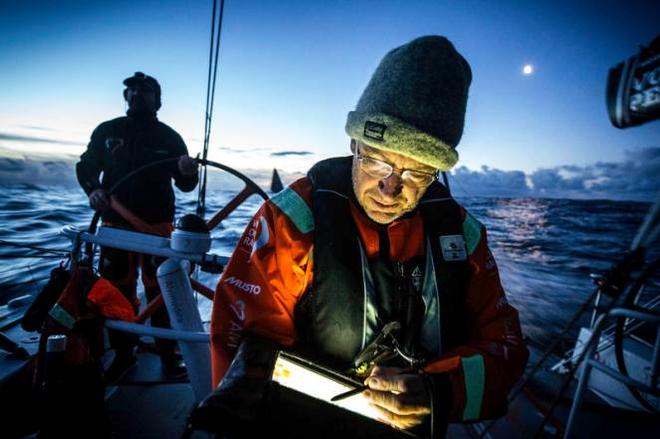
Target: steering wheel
[250, 188]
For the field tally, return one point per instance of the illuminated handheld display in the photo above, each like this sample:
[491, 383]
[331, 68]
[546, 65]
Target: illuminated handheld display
[305, 377]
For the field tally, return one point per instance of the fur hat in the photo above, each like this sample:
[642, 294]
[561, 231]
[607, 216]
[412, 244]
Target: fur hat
[414, 104]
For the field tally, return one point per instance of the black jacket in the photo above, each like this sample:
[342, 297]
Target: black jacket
[122, 145]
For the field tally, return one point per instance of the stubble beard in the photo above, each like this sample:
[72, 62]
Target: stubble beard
[361, 198]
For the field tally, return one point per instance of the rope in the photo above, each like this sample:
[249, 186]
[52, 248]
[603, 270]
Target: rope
[201, 196]
[11, 268]
[17, 256]
[27, 282]
[458, 182]
[214, 51]
[619, 273]
[546, 354]
[445, 181]
[34, 247]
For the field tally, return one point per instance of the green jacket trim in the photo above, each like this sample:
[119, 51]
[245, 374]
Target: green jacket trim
[472, 232]
[293, 206]
[474, 375]
[62, 316]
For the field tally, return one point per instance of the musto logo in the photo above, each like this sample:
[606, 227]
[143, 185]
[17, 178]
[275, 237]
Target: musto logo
[242, 285]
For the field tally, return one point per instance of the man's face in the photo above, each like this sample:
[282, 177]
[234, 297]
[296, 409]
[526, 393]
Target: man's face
[385, 197]
[141, 97]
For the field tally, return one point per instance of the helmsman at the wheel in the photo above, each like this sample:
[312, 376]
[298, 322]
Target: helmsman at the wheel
[117, 149]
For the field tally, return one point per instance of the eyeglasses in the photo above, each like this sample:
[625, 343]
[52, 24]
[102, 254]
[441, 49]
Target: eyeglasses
[382, 170]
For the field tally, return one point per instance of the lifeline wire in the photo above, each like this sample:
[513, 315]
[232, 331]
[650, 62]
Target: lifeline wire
[34, 247]
[585, 306]
[643, 239]
[27, 282]
[17, 256]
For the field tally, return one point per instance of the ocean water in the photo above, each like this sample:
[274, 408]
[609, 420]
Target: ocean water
[546, 249]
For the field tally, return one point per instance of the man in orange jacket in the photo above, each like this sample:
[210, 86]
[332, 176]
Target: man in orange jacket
[374, 238]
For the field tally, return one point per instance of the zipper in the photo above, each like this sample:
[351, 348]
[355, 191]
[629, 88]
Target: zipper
[400, 295]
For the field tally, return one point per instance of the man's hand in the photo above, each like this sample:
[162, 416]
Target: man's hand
[187, 165]
[99, 200]
[402, 399]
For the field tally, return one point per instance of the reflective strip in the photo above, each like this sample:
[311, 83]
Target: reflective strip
[474, 375]
[295, 208]
[471, 232]
[370, 316]
[431, 331]
[62, 316]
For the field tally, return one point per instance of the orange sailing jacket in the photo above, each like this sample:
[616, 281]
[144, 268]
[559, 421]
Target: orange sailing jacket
[272, 268]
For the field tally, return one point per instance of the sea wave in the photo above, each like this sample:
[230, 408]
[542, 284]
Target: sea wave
[546, 249]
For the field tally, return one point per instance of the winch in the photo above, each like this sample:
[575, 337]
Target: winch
[191, 235]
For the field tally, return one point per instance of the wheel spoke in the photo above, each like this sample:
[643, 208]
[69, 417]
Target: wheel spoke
[202, 289]
[141, 226]
[156, 303]
[230, 207]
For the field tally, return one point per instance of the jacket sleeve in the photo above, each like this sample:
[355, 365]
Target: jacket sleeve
[186, 183]
[266, 275]
[474, 379]
[89, 168]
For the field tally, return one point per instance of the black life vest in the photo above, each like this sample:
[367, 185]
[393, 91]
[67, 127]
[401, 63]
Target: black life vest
[340, 313]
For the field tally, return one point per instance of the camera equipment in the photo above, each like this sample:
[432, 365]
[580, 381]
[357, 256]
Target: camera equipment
[633, 88]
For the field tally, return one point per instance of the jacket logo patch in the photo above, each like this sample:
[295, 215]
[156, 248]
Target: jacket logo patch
[113, 143]
[501, 303]
[453, 248]
[239, 309]
[490, 262]
[236, 324]
[262, 238]
[253, 289]
[250, 236]
[417, 278]
[375, 131]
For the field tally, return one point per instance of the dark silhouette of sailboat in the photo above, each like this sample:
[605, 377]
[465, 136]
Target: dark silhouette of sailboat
[276, 182]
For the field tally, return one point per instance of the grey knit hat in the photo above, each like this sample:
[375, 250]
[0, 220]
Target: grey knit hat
[415, 102]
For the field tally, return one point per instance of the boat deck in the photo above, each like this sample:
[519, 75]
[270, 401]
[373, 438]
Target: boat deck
[145, 405]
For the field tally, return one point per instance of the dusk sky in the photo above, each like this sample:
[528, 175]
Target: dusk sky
[291, 70]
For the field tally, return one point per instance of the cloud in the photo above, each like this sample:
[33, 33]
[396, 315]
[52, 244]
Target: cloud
[47, 172]
[33, 127]
[21, 138]
[488, 182]
[241, 150]
[219, 180]
[38, 172]
[637, 177]
[262, 149]
[287, 153]
[552, 179]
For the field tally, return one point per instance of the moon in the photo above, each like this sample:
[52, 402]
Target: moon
[527, 69]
